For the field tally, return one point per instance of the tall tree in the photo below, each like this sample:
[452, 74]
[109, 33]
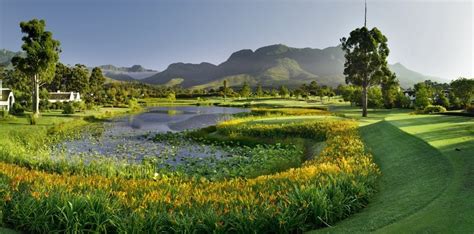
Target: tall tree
[96, 83]
[366, 54]
[79, 80]
[245, 91]
[463, 88]
[42, 54]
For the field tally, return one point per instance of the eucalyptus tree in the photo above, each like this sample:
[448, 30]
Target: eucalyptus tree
[366, 54]
[41, 56]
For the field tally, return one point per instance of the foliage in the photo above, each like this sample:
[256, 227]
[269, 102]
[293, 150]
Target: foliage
[402, 101]
[423, 96]
[42, 54]
[259, 92]
[283, 91]
[463, 88]
[434, 109]
[68, 109]
[366, 55]
[245, 91]
[17, 109]
[390, 86]
[375, 98]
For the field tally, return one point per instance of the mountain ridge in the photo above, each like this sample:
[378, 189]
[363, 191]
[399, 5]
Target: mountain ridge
[272, 65]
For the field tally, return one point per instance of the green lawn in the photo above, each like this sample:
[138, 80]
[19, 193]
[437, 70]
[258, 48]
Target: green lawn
[426, 184]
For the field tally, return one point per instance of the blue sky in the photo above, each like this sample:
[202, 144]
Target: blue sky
[432, 37]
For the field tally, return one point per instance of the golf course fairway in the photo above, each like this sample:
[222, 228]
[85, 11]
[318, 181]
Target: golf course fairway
[427, 182]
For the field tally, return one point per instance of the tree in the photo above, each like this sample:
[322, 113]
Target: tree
[402, 101]
[225, 90]
[423, 95]
[375, 99]
[313, 88]
[79, 80]
[463, 88]
[323, 91]
[389, 85]
[442, 100]
[366, 58]
[283, 91]
[259, 92]
[96, 83]
[61, 78]
[245, 91]
[42, 54]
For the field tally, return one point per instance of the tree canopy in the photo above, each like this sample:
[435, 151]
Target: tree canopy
[42, 54]
[366, 54]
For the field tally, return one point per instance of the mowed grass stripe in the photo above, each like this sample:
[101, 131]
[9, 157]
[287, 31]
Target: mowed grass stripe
[453, 211]
[413, 175]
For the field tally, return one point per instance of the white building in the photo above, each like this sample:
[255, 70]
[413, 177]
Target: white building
[64, 97]
[6, 98]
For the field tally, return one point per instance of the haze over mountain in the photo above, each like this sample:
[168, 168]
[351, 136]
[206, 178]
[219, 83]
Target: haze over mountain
[133, 73]
[272, 65]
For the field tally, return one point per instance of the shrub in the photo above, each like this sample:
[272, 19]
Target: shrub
[17, 109]
[68, 109]
[79, 106]
[433, 109]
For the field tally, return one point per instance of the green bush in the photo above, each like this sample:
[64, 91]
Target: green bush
[433, 109]
[79, 106]
[17, 109]
[68, 109]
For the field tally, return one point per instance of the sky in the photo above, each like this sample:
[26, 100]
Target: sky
[432, 37]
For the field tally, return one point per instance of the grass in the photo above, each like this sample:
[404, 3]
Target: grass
[426, 184]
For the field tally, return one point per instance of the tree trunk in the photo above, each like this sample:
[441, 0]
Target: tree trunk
[36, 99]
[364, 101]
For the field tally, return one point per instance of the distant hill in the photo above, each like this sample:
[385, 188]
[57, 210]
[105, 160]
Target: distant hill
[6, 56]
[133, 73]
[272, 65]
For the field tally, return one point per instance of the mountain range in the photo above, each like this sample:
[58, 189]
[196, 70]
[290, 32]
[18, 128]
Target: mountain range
[270, 66]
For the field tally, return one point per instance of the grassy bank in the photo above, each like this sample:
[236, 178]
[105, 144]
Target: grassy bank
[426, 184]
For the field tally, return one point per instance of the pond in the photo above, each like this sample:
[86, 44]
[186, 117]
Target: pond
[129, 138]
